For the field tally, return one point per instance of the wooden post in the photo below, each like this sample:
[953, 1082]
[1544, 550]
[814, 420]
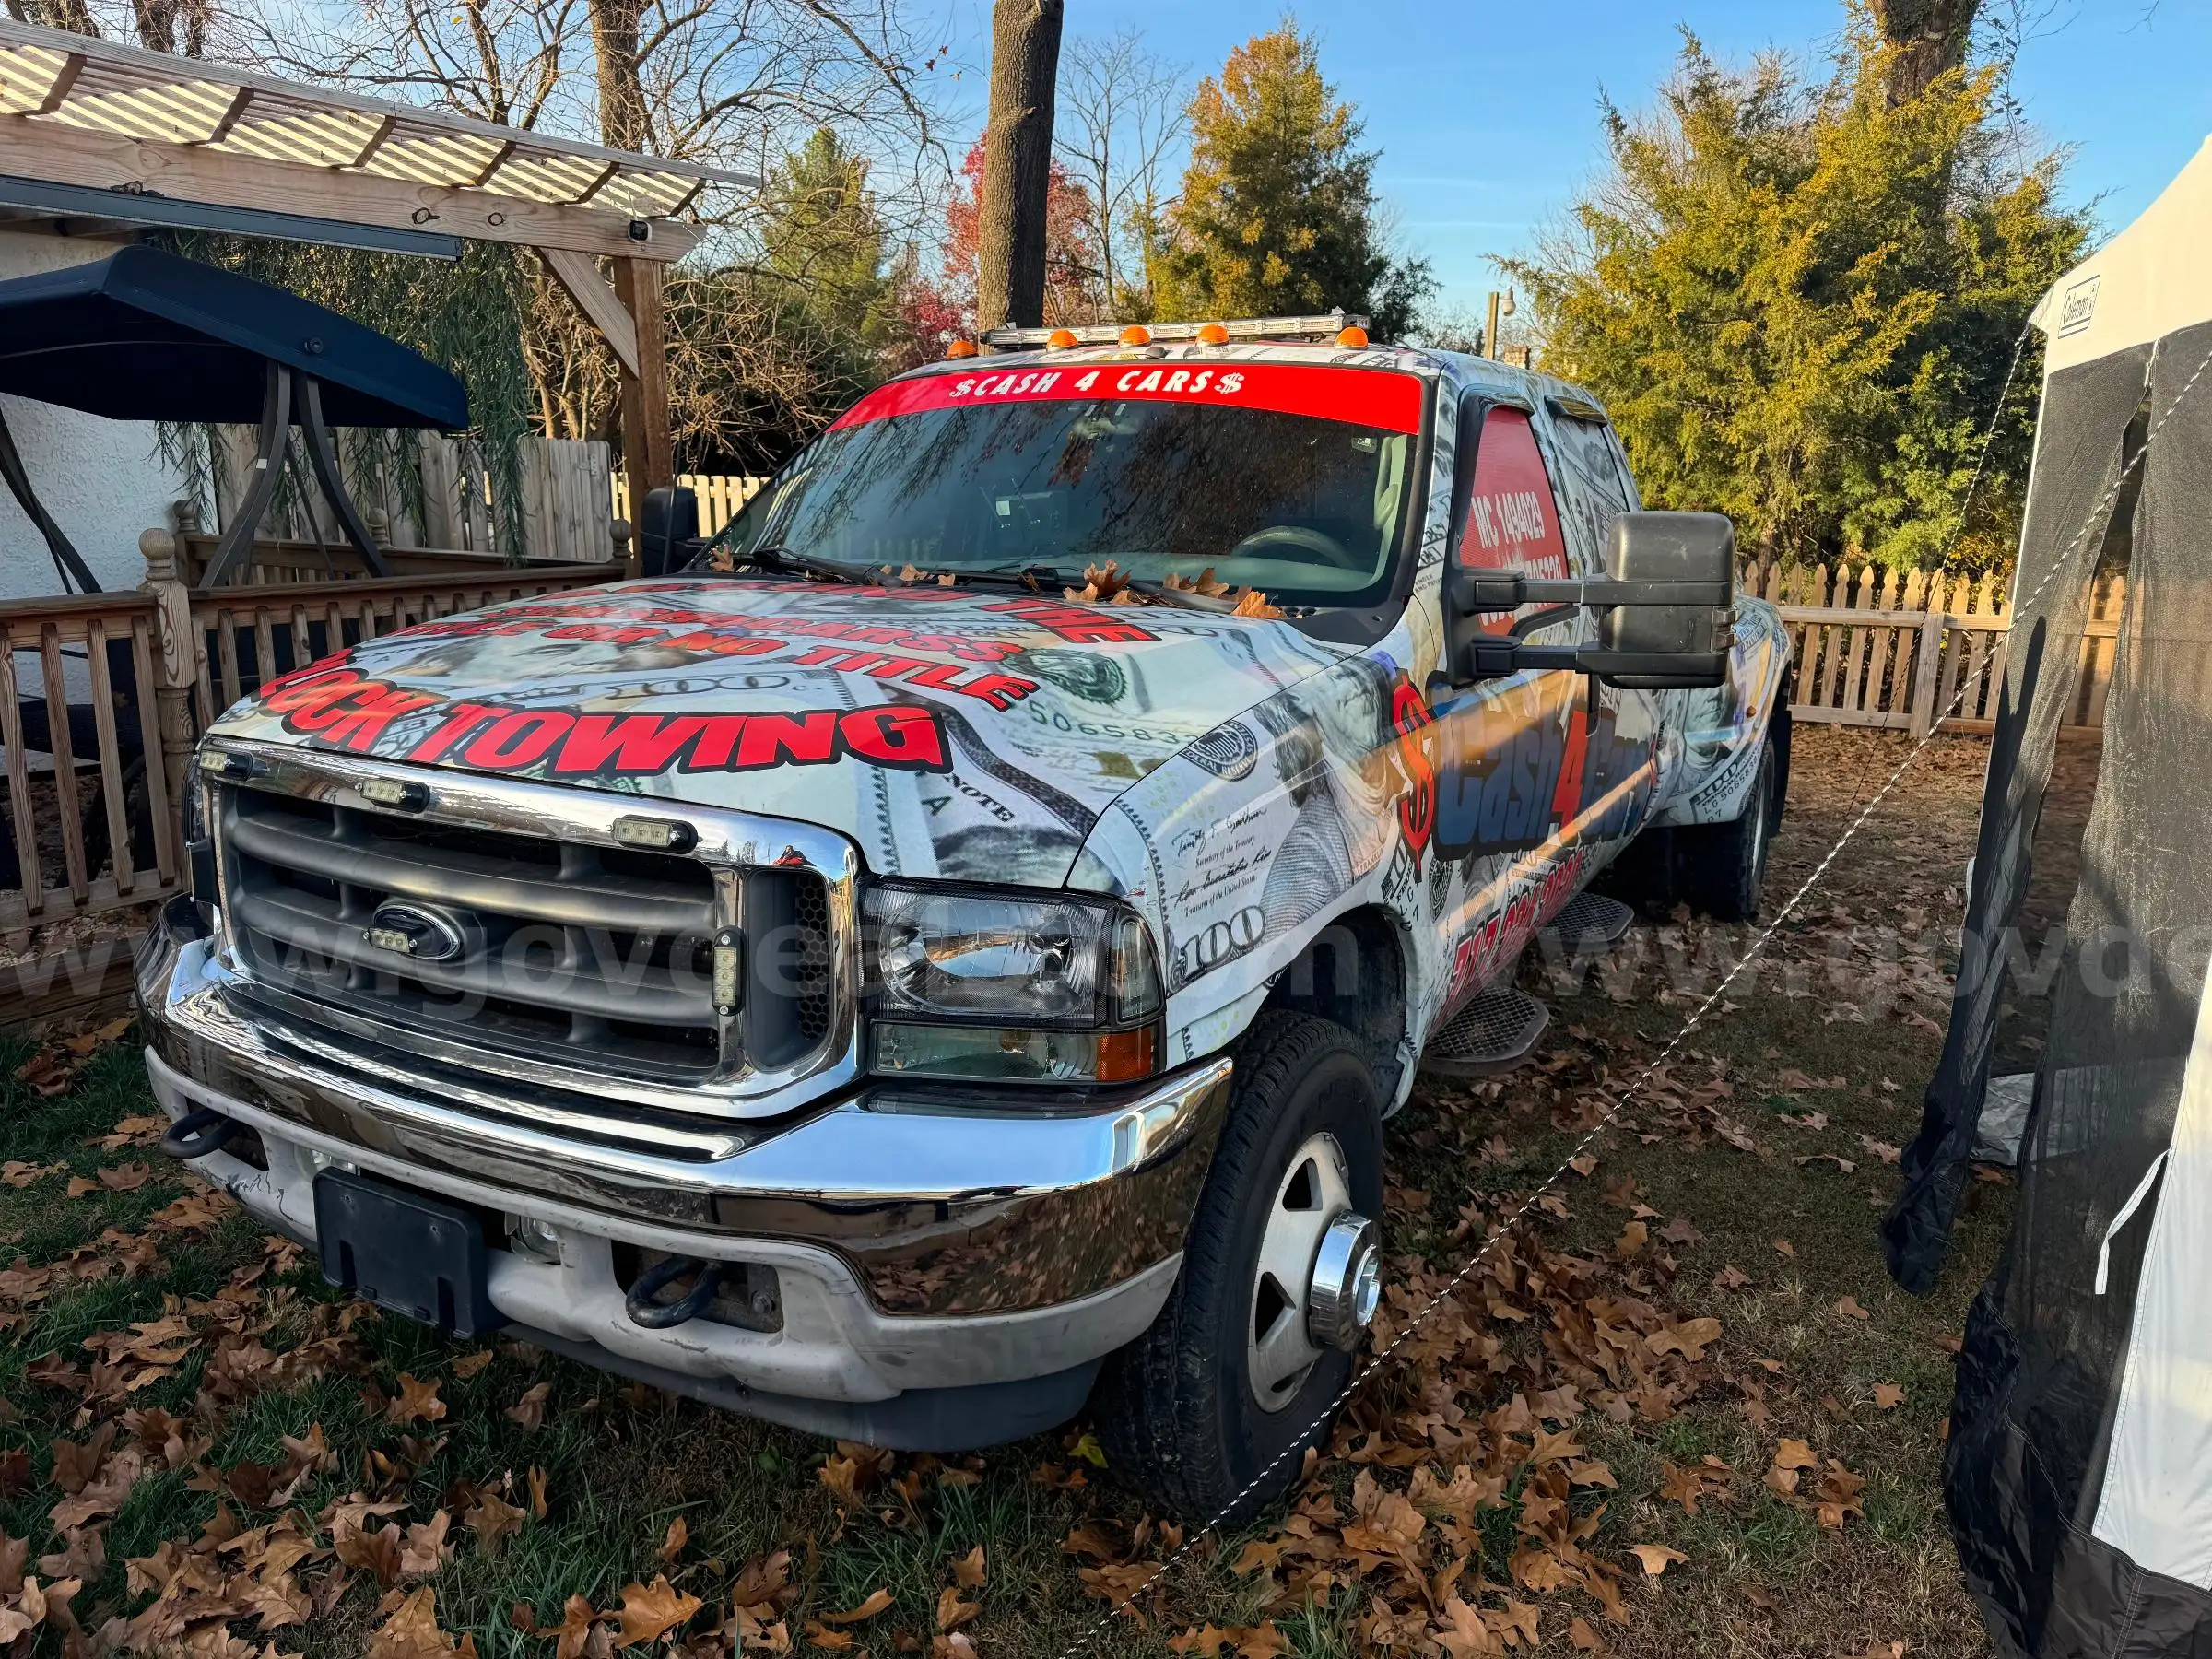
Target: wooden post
[176, 667]
[648, 452]
[1925, 660]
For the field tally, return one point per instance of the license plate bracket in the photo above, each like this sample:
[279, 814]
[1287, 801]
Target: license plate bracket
[412, 1252]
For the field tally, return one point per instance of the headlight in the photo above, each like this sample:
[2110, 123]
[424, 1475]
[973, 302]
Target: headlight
[968, 983]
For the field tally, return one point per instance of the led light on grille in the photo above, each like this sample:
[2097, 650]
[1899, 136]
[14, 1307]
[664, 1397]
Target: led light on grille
[221, 763]
[392, 792]
[655, 835]
[729, 958]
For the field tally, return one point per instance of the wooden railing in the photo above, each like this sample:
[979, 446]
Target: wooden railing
[92, 828]
[104, 696]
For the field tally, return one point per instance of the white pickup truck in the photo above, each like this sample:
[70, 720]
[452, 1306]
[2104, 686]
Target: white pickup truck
[944, 954]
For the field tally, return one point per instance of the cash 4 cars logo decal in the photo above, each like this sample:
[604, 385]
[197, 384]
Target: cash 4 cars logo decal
[1370, 398]
[1522, 765]
[343, 709]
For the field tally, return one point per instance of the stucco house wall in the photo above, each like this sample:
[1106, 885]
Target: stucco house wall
[102, 480]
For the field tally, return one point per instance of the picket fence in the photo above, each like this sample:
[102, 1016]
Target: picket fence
[720, 497]
[1912, 651]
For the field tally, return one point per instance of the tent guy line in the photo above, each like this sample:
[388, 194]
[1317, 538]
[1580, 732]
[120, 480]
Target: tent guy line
[1556, 1179]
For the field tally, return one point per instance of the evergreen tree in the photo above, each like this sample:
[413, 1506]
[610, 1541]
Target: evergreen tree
[825, 241]
[1277, 213]
[1799, 300]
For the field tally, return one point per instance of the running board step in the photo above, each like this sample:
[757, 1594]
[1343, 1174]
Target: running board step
[1492, 1033]
[1590, 924]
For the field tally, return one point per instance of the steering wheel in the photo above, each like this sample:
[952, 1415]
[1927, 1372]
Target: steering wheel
[1325, 549]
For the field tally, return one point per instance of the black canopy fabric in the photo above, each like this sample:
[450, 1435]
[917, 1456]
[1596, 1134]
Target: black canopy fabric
[147, 335]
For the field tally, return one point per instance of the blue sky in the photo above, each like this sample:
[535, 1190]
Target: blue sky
[1487, 114]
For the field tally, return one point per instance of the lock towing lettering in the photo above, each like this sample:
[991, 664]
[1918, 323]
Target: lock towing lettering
[566, 743]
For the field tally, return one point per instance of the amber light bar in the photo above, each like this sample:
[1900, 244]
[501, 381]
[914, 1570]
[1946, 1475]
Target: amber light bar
[1324, 327]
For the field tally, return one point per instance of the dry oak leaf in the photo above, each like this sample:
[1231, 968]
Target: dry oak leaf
[1849, 1307]
[1583, 1637]
[678, 1535]
[877, 1601]
[1657, 1558]
[1787, 1248]
[1794, 1454]
[1887, 1394]
[952, 1612]
[425, 1550]
[574, 1629]
[650, 1611]
[817, 1633]
[418, 1401]
[494, 1521]
[529, 1411]
[1463, 1635]
[469, 1365]
[968, 1571]
[129, 1178]
[412, 1632]
[1631, 1242]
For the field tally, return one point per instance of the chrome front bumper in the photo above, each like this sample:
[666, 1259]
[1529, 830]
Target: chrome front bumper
[922, 1243]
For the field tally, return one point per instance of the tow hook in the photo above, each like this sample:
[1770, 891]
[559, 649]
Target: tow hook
[645, 1310]
[198, 1132]
[1346, 1287]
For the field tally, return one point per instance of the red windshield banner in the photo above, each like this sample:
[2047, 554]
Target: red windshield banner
[1368, 397]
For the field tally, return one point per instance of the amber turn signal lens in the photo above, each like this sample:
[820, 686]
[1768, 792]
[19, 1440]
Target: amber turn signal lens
[1213, 333]
[1136, 334]
[961, 348]
[1060, 340]
[1125, 1057]
[1352, 338]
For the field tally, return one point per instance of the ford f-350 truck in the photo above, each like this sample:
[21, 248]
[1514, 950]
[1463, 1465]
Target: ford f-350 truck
[947, 953]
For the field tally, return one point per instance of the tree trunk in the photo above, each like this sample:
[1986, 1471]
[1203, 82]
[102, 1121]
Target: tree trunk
[622, 124]
[1931, 36]
[1017, 158]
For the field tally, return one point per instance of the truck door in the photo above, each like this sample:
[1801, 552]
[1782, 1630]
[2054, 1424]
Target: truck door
[1530, 767]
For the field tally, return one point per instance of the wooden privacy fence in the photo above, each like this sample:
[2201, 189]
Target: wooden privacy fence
[1915, 651]
[103, 697]
[566, 513]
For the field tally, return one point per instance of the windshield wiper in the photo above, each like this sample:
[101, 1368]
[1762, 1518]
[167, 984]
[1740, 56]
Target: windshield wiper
[789, 562]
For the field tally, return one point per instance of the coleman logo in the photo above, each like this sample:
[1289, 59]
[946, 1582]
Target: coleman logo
[2078, 307]
[416, 933]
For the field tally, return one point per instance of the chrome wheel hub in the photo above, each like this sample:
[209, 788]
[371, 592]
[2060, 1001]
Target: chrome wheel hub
[1318, 1280]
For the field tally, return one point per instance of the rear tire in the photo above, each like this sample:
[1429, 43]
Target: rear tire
[1720, 868]
[1179, 1409]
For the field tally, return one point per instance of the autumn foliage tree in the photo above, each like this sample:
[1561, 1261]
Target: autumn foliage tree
[1072, 267]
[1799, 297]
[1277, 213]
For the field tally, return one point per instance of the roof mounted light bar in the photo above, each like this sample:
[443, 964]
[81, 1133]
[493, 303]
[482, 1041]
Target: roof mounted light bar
[1324, 327]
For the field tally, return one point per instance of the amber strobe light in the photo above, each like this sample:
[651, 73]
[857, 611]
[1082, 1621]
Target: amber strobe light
[1136, 334]
[1213, 333]
[1352, 338]
[1060, 340]
[961, 348]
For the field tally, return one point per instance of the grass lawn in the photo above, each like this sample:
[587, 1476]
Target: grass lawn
[1680, 1411]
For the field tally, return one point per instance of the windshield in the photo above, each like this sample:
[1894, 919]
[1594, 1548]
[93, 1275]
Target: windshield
[1247, 470]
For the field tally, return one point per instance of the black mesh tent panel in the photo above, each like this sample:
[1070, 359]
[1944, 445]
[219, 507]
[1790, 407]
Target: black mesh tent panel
[2082, 432]
[2057, 1333]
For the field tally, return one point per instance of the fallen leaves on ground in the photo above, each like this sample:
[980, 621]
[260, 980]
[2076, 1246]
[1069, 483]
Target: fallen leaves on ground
[1657, 1558]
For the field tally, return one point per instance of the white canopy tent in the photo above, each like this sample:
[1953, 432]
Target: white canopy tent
[2079, 1468]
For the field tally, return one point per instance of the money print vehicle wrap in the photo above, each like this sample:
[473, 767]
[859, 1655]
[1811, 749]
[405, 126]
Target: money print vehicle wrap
[1245, 782]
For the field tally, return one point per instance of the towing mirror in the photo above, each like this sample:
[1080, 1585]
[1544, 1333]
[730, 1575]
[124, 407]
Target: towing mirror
[1684, 644]
[667, 529]
[1664, 607]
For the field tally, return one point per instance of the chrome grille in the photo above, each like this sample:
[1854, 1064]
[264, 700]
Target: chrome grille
[577, 957]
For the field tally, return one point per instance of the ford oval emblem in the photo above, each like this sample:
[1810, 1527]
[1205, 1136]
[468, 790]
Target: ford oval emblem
[416, 932]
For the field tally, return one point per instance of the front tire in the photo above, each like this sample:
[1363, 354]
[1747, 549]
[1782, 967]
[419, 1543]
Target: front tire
[1211, 1410]
[1720, 868]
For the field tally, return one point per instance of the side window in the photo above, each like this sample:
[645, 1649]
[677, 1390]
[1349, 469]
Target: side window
[1593, 486]
[1511, 521]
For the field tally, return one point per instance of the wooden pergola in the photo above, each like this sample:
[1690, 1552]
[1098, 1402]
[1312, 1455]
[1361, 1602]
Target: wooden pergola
[105, 139]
